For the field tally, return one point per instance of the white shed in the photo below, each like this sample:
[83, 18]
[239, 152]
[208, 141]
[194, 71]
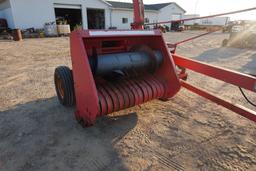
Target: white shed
[90, 14]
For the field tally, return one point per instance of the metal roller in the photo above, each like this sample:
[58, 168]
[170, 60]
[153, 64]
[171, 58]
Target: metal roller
[137, 61]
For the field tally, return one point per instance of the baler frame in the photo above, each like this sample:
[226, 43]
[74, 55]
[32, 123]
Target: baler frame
[99, 85]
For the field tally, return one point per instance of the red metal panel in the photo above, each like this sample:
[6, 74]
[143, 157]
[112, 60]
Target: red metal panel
[85, 93]
[238, 79]
[167, 72]
[249, 114]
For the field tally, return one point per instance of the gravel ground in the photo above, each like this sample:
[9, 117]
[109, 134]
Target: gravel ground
[185, 133]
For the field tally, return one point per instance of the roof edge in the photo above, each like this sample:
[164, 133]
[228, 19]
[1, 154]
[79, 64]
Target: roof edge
[146, 5]
[104, 1]
[179, 7]
[129, 9]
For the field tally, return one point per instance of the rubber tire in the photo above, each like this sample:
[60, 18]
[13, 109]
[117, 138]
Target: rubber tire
[65, 76]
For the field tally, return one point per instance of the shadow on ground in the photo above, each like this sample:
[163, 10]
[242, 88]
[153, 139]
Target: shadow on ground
[42, 135]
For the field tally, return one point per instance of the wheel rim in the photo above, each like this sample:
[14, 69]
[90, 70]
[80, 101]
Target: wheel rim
[60, 87]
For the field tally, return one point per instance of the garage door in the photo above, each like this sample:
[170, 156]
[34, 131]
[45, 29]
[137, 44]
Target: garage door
[68, 14]
[68, 6]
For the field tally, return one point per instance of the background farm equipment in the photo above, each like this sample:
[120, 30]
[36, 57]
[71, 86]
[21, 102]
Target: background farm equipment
[178, 26]
[242, 36]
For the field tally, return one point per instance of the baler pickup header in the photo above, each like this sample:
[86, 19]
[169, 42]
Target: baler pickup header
[115, 72]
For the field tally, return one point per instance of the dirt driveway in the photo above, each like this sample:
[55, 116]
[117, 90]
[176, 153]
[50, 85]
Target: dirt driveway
[186, 133]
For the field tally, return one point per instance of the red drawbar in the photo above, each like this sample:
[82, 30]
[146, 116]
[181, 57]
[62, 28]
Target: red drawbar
[247, 113]
[232, 77]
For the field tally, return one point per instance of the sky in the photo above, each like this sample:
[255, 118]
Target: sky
[208, 7]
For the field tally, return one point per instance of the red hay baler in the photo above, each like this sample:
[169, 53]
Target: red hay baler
[117, 69]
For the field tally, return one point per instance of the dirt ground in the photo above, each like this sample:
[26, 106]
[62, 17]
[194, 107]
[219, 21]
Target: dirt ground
[185, 133]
